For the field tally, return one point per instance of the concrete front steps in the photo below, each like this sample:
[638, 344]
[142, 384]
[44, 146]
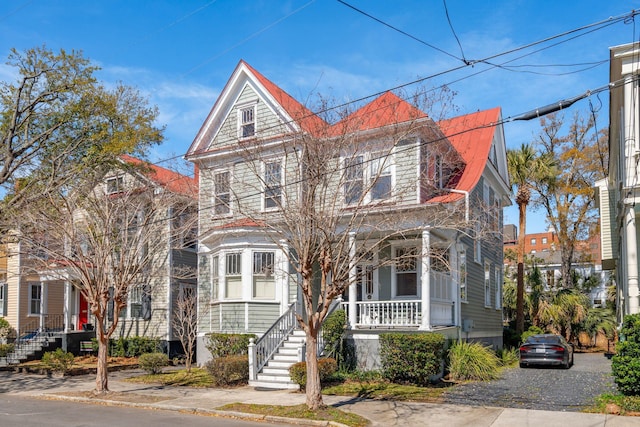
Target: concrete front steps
[275, 374]
[31, 350]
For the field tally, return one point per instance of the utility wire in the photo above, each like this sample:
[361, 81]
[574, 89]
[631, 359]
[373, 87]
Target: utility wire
[399, 30]
[446, 11]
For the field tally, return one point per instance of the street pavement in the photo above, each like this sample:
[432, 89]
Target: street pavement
[380, 413]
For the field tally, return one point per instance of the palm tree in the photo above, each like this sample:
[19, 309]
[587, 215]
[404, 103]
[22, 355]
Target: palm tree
[564, 312]
[525, 167]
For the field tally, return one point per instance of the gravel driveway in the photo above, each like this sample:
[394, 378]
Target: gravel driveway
[551, 389]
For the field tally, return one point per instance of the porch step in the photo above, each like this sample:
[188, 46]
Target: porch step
[275, 374]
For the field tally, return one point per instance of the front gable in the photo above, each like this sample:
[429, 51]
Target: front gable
[274, 112]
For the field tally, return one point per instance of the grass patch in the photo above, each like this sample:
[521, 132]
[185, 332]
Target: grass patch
[386, 391]
[616, 403]
[299, 411]
[196, 378]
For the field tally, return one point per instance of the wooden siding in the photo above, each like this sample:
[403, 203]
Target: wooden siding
[262, 316]
[233, 316]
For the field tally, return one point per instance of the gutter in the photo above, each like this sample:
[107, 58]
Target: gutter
[466, 201]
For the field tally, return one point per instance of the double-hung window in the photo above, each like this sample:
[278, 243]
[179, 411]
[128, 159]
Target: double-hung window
[214, 278]
[381, 177]
[263, 278]
[247, 122]
[135, 302]
[462, 271]
[35, 298]
[354, 180]
[233, 276]
[272, 184]
[487, 284]
[221, 193]
[3, 299]
[406, 271]
[115, 185]
[498, 288]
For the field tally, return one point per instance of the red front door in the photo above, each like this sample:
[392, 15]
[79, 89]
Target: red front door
[83, 312]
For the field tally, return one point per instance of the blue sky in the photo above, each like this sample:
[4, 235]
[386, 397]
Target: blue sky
[181, 53]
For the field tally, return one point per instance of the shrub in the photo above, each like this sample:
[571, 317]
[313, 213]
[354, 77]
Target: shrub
[626, 363]
[229, 370]
[508, 356]
[133, 346]
[327, 366]
[6, 349]
[222, 345]
[335, 344]
[153, 362]
[58, 360]
[533, 330]
[472, 361]
[411, 358]
[6, 330]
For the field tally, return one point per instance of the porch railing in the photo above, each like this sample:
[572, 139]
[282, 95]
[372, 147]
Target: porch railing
[33, 337]
[261, 350]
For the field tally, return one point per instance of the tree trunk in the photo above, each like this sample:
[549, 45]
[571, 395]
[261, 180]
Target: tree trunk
[102, 381]
[522, 207]
[313, 387]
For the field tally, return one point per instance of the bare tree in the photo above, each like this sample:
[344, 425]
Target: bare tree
[185, 321]
[107, 237]
[326, 198]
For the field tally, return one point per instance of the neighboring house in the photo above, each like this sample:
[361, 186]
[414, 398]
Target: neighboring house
[542, 250]
[469, 173]
[39, 300]
[619, 193]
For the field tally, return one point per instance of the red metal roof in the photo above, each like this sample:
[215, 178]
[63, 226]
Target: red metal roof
[305, 118]
[387, 109]
[167, 178]
[472, 136]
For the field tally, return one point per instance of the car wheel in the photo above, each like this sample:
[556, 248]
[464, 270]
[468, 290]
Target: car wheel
[522, 365]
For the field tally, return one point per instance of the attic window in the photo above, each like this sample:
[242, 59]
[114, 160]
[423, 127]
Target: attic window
[247, 122]
[115, 185]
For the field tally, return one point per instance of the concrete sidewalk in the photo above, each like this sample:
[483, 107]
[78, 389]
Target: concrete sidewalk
[381, 413]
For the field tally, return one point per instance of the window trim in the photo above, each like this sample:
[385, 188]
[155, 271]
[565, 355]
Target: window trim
[236, 275]
[394, 272]
[265, 186]
[367, 177]
[3, 298]
[463, 275]
[118, 187]
[31, 299]
[487, 284]
[264, 276]
[241, 122]
[215, 196]
[349, 163]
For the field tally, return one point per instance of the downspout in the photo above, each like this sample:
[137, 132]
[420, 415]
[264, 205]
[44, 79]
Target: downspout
[466, 201]
[458, 299]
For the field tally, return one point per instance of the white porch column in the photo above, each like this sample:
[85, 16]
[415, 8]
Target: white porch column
[282, 276]
[632, 303]
[43, 305]
[353, 286]
[67, 306]
[425, 280]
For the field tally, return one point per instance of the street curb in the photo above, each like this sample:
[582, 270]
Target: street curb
[211, 412]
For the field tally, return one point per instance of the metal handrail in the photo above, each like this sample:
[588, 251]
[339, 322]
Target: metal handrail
[269, 343]
[32, 337]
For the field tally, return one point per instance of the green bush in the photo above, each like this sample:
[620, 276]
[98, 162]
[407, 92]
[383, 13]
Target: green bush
[6, 330]
[335, 344]
[153, 362]
[58, 360]
[411, 358]
[626, 362]
[508, 356]
[533, 330]
[133, 346]
[327, 366]
[229, 370]
[472, 361]
[223, 345]
[6, 349]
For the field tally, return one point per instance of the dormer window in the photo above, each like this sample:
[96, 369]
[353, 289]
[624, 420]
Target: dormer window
[247, 117]
[115, 185]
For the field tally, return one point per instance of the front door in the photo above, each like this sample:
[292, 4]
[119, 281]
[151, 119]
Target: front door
[83, 311]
